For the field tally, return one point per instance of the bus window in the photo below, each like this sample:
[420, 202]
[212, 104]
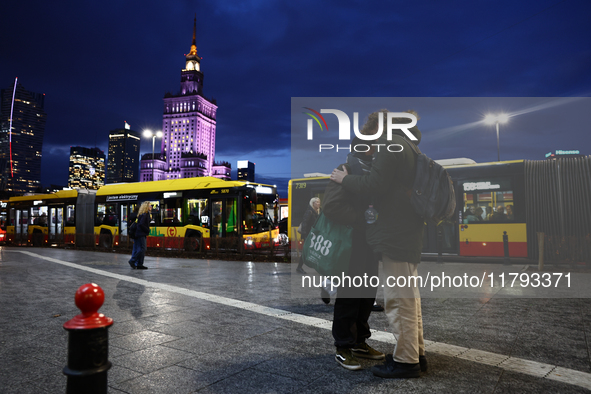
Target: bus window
[197, 212]
[485, 203]
[3, 214]
[171, 212]
[39, 216]
[124, 216]
[248, 225]
[22, 221]
[216, 225]
[231, 220]
[111, 216]
[70, 218]
[100, 214]
[155, 213]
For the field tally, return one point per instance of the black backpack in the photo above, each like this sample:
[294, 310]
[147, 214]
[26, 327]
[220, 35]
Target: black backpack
[432, 194]
[132, 229]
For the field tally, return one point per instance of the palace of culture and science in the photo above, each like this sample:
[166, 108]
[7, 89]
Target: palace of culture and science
[188, 131]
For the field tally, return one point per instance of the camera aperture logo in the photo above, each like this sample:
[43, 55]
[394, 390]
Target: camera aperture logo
[345, 129]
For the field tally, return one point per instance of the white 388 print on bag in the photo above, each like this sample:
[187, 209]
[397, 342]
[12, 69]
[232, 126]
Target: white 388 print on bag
[318, 245]
[327, 248]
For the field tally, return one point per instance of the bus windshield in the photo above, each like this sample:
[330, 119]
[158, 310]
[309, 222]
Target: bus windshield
[259, 212]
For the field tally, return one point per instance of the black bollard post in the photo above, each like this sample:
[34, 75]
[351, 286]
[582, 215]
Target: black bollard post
[88, 344]
[506, 248]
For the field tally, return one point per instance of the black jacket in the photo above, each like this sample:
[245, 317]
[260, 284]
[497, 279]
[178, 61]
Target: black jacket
[341, 206]
[346, 208]
[398, 232]
[308, 221]
[143, 225]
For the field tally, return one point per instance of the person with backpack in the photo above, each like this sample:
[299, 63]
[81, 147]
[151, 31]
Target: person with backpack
[353, 305]
[139, 243]
[395, 233]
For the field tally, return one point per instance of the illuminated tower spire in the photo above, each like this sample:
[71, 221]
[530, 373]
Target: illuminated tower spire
[194, 46]
[193, 59]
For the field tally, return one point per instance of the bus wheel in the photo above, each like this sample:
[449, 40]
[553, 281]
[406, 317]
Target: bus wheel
[37, 238]
[105, 239]
[192, 243]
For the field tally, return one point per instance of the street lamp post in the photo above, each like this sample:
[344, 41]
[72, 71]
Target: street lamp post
[496, 119]
[148, 134]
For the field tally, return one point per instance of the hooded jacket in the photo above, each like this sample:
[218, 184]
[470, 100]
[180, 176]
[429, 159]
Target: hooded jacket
[398, 230]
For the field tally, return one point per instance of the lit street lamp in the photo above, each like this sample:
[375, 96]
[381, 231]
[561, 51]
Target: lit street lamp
[148, 134]
[496, 119]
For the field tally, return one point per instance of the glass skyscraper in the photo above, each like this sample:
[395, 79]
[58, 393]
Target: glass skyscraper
[124, 156]
[21, 146]
[87, 168]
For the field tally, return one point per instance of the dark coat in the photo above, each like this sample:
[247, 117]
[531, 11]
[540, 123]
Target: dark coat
[398, 232]
[308, 221]
[143, 225]
[343, 207]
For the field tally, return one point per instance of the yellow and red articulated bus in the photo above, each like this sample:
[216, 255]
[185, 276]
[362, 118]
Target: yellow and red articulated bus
[186, 213]
[190, 211]
[496, 202]
[43, 218]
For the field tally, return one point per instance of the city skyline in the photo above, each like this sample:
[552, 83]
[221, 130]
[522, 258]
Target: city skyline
[257, 56]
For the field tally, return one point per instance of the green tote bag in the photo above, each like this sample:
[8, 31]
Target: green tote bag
[327, 248]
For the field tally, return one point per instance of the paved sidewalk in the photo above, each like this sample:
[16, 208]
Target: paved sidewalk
[207, 326]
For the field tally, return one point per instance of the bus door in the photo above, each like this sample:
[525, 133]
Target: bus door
[21, 225]
[55, 224]
[224, 217]
[126, 210]
[38, 224]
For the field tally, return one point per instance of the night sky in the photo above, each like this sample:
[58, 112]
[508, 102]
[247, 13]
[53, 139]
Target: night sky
[103, 63]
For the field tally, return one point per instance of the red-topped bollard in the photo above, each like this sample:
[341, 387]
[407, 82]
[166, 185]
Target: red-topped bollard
[88, 343]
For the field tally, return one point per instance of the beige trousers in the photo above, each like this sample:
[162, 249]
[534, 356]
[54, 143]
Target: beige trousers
[403, 308]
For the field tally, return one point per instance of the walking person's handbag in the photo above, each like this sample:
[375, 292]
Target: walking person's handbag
[327, 248]
[132, 229]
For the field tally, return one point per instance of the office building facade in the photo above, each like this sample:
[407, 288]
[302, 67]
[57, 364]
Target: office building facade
[123, 158]
[87, 168]
[245, 171]
[21, 139]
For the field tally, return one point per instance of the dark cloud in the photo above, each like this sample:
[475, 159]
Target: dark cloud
[102, 63]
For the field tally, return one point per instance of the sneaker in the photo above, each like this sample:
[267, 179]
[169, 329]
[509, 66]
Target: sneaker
[132, 265]
[324, 295]
[394, 370]
[346, 359]
[363, 350]
[423, 363]
[142, 267]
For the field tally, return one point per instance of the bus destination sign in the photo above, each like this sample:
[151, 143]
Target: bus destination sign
[122, 197]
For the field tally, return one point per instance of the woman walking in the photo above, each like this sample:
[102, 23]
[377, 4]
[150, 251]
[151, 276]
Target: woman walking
[139, 244]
